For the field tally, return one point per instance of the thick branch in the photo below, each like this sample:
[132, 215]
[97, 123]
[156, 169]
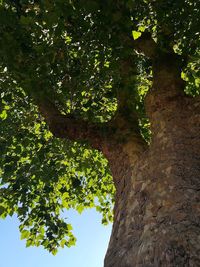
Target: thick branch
[63, 126]
[146, 45]
[166, 65]
[103, 136]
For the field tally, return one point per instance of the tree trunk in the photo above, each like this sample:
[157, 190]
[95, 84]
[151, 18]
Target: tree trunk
[157, 207]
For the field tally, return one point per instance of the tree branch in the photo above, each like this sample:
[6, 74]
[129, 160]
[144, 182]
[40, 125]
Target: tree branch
[66, 126]
[166, 64]
[102, 136]
[146, 45]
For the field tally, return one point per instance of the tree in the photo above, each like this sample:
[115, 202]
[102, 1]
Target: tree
[86, 81]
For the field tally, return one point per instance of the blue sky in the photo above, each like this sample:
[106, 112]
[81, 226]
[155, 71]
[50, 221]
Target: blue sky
[92, 242]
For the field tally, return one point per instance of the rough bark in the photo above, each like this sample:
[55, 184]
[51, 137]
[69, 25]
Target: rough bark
[157, 207]
[157, 210]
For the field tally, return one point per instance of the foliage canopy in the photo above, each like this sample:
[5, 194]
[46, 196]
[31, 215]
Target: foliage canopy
[75, 54]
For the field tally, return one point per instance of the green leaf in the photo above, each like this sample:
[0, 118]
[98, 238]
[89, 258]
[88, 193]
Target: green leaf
[3, 115]
[25, 234]
[63, 243]
[136, 35]
[80, 208]
[54, 251]
[141, 28]
[2, 212]
[29, 243]
[69, 227]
